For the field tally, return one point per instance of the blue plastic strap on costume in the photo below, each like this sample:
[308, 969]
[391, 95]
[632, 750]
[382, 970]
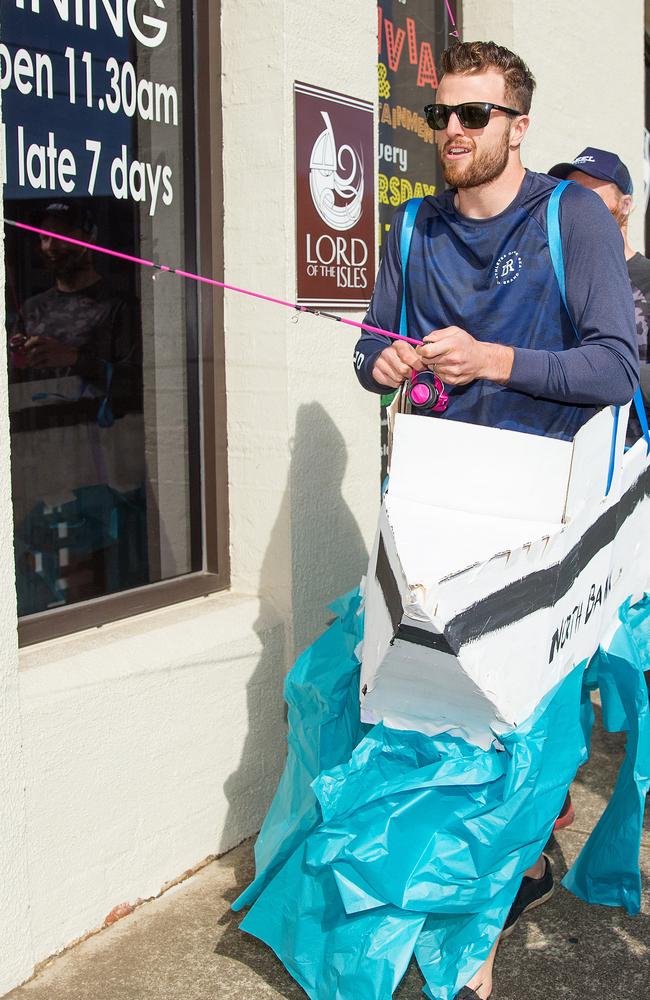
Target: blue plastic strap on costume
[555, 244]
[612, 451]
[411, 210]
[641, 414]
[557, 260]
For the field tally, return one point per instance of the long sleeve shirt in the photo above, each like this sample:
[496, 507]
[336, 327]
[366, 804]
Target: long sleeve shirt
[494, 278]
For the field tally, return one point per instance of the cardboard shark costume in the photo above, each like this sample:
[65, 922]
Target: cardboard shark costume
[431, 747]
[486, 589]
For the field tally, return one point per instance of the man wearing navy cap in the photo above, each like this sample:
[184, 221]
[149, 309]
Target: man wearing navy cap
[606, 174]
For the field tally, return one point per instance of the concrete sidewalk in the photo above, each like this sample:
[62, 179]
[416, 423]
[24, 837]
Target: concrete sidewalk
[187, 946]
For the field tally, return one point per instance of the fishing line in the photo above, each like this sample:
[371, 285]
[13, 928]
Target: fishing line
[202, 279]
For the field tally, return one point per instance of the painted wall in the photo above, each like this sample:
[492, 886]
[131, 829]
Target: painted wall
[303, 440]
[587, 58]
[149, 745]
[153, 743]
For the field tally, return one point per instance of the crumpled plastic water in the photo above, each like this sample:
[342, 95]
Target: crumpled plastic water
[607, 869]
[381, 845]
[322, 695]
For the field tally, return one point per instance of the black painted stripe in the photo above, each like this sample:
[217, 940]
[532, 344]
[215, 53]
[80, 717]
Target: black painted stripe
[537, 590]
[544, 588]
[409, 633]
[422, 637]
[388, 583]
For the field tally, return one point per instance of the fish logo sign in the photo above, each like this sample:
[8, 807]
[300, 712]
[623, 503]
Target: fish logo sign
[337, 197]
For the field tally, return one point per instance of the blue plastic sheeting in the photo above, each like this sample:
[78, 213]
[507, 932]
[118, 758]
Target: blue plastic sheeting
[322, 695]
[381, 845]
[607, 870]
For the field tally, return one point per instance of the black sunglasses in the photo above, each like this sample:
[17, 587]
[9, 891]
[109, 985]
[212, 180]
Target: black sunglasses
[471, 114]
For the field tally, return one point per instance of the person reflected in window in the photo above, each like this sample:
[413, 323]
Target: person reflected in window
[78, 327]
[77, 428]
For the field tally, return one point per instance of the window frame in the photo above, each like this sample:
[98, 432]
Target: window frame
[210, 385]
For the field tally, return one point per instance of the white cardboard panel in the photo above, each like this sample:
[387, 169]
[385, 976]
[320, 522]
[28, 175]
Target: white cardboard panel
[434, 542]
[482, 470]
[591, 457]
[425, 690]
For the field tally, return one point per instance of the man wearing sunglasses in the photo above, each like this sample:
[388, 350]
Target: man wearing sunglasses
[483, 298]
[482, 295]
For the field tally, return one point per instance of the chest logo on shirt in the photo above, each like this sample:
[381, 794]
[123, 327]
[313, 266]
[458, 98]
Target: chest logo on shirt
[508, 267]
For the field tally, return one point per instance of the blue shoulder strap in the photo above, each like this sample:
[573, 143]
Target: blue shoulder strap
[408, 224]
[557, 259]
[555, 244]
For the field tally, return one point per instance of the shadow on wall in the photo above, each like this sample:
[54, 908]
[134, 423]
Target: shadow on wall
[328, 553]
[328, 557]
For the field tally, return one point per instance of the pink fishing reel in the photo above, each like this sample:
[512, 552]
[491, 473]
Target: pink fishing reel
[427, 392]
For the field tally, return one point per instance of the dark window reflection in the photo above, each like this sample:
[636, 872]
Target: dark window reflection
[103, 361]
[78, 443]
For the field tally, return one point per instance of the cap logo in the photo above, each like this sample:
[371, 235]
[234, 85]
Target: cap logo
[584, 159]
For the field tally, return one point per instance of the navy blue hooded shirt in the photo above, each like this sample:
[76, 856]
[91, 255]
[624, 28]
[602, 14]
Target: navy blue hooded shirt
[494, 278]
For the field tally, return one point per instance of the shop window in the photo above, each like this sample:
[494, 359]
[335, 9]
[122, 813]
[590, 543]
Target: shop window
[115, 488]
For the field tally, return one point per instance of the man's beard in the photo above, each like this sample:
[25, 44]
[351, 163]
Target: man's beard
[483, 167]
[619, 214]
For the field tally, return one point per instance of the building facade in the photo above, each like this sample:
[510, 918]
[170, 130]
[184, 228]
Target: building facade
[226, 465]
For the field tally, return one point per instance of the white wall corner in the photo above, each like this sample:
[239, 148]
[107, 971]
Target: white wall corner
[334, 424]
[587, 58]
[303, 437]
[489, 21]
[255, 233]
[589, 64]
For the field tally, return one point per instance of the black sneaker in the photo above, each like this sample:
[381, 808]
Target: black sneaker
[467, 994]
[532, 892]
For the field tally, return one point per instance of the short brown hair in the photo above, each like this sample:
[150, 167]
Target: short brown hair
[476, 57]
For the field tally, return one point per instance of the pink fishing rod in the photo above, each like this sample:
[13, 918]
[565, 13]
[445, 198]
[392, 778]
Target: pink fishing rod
[143, 262]
[453, 20]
